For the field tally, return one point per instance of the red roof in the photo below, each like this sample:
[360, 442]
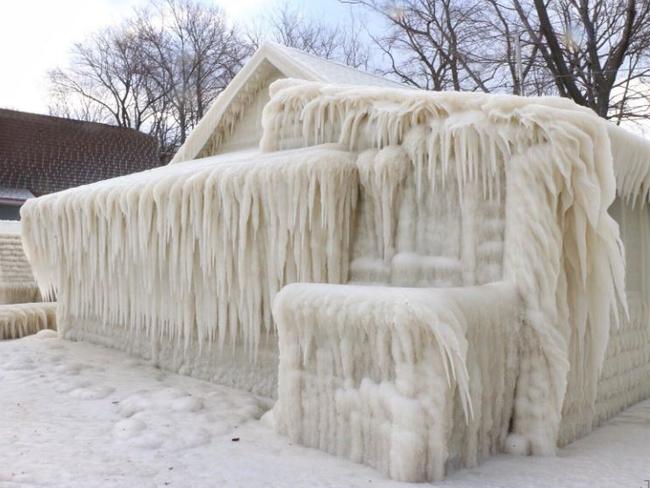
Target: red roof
[45, 154]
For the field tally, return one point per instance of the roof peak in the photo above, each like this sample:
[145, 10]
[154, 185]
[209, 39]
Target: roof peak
[272, 45]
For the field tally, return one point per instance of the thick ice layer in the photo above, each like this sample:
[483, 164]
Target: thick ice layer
[20, 320]
[414, 228]
[17, 284]
[561, 248]
[192, 254]
[625, 377]
[432, 189]
[407, 380]
[631, 165]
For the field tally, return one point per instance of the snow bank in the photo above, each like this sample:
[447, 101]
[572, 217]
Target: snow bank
[17, 284]
[20, 320]
[189, 256]
[561, 248]
[407, 380]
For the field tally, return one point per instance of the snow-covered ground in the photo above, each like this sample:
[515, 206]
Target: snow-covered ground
[79, 415]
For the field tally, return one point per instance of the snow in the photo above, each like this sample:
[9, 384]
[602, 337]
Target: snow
[10, 227]
[81, 415]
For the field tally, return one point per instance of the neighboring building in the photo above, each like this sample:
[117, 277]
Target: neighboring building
[17, 284]
[234, 121]
[11, 199]
[41, 154]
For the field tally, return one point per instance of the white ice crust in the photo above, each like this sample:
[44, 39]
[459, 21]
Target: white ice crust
[380, 191]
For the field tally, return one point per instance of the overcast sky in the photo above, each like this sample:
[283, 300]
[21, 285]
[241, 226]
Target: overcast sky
[36, 35]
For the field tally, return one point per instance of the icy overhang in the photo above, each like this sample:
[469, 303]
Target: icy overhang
[631, 157]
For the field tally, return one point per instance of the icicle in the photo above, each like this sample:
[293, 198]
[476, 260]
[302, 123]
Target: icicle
[23, 319]
[190, 252]
[395, 403]
[17, 284]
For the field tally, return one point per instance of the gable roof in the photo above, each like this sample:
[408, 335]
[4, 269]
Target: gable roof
[325, 70]
[44, 154]
[292, 63]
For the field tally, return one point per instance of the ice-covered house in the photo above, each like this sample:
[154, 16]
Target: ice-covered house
[421, 279]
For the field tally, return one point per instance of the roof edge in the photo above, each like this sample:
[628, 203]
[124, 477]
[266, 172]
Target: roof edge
[204, 129]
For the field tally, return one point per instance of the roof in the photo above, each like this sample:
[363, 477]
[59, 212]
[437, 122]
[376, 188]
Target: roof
[45, 154]
[292, 63]
[325, 70]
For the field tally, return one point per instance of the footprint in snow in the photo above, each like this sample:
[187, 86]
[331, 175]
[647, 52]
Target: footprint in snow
[92, 392]
[128, 428]
[70, 368]
[19, 364]
[134, 404]
[187, 404]
[66, 386]
[148, 440]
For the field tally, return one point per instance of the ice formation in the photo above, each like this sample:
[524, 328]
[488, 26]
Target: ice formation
[23, 319]
[17, 284]
[385, 375]
[481, 202]
[212, 242]
[556, 161]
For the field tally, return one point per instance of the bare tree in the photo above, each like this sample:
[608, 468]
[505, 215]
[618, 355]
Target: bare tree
[106, 81]
[157, 73]
[193, 55]
[594, 49]
[289, 26]
[455, 45]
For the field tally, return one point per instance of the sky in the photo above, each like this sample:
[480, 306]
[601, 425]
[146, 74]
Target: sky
[36, 36]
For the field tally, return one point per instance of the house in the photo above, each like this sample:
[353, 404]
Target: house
[234, 121]
[41, 154]
[420, 279]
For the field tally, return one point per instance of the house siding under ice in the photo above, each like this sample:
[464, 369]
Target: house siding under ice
[420, 279]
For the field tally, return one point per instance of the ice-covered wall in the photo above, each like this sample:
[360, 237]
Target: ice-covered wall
[419, 189]
[17, 284]
[625, 377]
[410, 381]
[416, 230]
[180, 263]
[554, 163]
